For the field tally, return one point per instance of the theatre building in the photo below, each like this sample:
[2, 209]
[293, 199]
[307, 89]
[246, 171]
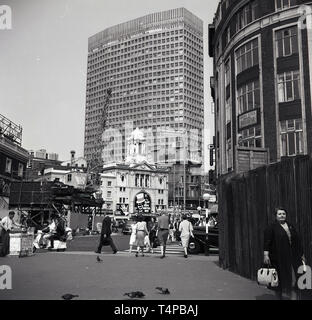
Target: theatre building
[135, 185]
[261, 84]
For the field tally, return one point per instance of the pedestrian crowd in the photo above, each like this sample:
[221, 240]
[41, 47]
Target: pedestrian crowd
[282, 248]
[165, 229]
[146, 235]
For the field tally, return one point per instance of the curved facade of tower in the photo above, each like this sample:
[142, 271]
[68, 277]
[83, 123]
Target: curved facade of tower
[262, 79]
[154, 68]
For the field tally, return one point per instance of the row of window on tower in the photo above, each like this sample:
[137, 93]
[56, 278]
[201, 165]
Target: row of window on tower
[142, 40]
[245, 16]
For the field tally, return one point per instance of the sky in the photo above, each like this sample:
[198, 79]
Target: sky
[43, 64]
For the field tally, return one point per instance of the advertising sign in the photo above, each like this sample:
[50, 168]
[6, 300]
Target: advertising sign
[142, 203]
[248, 119]
[122, 208]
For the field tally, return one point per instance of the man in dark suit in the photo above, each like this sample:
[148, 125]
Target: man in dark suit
[106, 238]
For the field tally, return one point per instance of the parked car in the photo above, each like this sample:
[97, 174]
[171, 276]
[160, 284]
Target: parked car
[197, 244]
[121, 223]
[94, 233]
[127, 227]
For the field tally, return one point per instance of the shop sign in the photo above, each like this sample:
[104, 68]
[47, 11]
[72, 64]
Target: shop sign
[122, 208]
[248, 119]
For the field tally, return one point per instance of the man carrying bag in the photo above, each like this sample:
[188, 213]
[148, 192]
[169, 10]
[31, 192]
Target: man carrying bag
[267, 276]
[106, 238]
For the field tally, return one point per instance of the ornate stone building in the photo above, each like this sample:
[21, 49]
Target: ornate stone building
[137, 185]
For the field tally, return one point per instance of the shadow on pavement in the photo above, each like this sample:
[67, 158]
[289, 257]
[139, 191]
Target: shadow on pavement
[266, 297]
[217, 263]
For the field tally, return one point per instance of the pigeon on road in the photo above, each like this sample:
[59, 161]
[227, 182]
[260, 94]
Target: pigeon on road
[163, 291]
[135, 294]
[69, 296]
[98, 259]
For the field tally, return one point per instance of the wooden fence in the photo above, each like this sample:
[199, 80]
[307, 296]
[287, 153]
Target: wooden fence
[246, 206]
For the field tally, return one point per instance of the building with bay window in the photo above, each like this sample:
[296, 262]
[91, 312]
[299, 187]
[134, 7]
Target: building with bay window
[262, 80]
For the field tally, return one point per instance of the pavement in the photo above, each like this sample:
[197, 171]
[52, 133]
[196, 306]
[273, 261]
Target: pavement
[49, 275]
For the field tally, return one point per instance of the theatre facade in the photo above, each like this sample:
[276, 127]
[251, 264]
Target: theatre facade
[134, 186]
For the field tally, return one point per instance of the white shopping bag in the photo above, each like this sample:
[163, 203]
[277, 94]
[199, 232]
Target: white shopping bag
[267, 277]
[147, 241]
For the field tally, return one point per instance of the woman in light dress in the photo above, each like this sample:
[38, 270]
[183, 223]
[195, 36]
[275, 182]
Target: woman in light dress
[141, 232]
[132, 241]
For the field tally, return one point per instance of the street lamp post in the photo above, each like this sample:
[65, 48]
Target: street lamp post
[174, 190]
[199, 193]
[184, 171]
[184, 181]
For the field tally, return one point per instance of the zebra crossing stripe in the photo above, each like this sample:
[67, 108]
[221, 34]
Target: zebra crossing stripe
[171, 249]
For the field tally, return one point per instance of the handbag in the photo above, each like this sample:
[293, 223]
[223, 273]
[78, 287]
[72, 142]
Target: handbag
[267, 277]
[147, 241]
[105, 241]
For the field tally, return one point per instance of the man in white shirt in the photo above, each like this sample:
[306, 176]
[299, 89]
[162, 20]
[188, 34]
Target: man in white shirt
[51, 234]
[7, 224]
[186, 231]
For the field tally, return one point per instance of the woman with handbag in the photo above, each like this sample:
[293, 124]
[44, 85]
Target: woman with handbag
[283, 251]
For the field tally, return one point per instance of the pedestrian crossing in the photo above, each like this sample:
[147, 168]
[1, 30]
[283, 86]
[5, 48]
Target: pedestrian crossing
[171, 249]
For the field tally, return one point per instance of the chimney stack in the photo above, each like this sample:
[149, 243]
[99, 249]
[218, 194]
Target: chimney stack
[72, 159]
